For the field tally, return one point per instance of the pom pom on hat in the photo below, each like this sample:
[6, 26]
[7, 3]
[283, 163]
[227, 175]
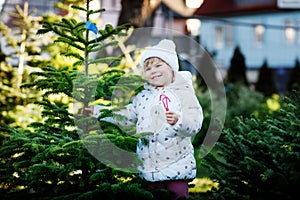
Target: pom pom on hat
[165, 50]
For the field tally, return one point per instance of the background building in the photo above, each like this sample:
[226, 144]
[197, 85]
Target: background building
[265, 30]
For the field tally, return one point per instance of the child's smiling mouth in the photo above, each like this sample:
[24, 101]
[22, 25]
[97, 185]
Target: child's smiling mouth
[156, 76]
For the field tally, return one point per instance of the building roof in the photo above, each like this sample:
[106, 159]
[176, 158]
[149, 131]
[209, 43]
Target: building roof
[239, 7]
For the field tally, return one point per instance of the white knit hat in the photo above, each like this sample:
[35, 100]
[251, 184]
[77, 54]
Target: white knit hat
[166, 50]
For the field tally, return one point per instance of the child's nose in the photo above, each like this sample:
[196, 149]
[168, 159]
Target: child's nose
[153, 70]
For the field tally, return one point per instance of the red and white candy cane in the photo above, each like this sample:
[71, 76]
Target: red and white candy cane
[165, 100]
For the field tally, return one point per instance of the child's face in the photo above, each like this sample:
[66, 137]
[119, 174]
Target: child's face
[158, 73]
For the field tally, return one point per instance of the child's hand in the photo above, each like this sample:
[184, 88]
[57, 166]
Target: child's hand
[88, 110]
[171, 117]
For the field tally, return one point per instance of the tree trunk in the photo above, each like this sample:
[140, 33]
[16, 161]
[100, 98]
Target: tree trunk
[138, 13]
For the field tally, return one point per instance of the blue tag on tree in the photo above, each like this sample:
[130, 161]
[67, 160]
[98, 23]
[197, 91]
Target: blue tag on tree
[92, 27]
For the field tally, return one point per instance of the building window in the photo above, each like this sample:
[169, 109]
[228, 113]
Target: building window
[229, 35]
[298, 31]
[193, 26]
[219, 37]
[289, 32]
[258, 33]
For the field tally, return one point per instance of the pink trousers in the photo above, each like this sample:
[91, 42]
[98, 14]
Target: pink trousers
[178, 187]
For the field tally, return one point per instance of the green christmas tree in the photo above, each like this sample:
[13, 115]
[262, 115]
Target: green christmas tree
[242, 101]
[259, 159]
[294, 81]
[16, 104]
[49, 159]
[237, 70]
[265, 83]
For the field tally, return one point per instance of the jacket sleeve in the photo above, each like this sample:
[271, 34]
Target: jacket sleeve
[126, 116]
[191, 115]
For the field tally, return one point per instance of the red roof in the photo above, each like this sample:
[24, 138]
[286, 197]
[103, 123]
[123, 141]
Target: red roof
[233, 7]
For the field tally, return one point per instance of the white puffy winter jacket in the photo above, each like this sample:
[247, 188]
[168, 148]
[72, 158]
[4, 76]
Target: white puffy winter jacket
[168, 153]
